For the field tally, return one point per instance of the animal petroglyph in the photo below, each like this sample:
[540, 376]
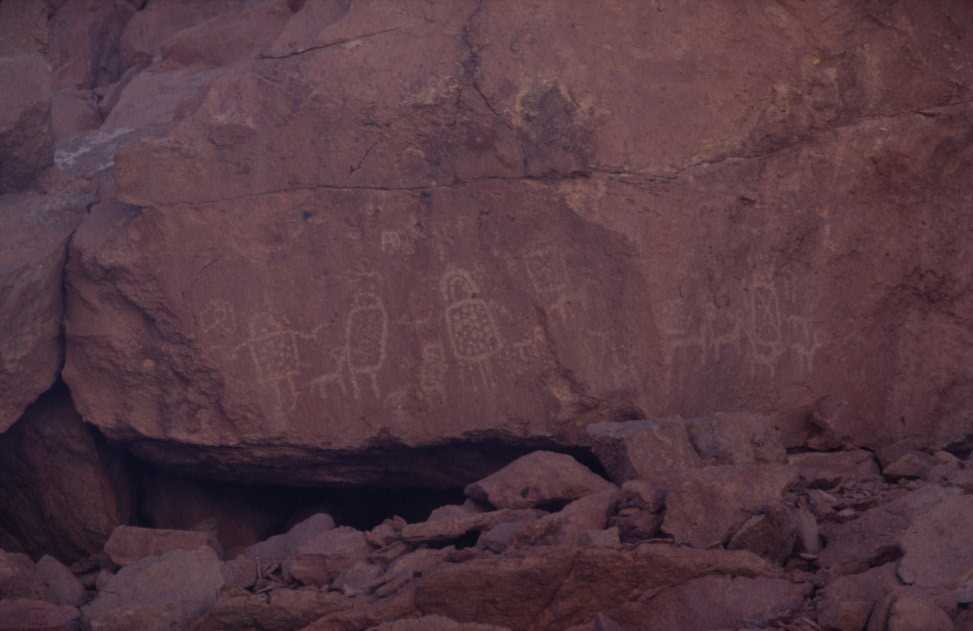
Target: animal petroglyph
[473, 333]
[366, 336]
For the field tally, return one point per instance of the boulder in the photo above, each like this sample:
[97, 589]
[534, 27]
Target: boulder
[321, 558]
[50, 460]
[643, 449]
[737, 439]
[129, 544]
[847, 601]
[34, 232]
[936, 553]
[433, 623]
[914, 464]
[447, 530]
[876, 535]
[705, 506]
[285, 546]
[575, 524]
[559, 586]
[63, 587]
[829, 469]
[171, 591]
[276, 610]
[26, 144]
[772, 534]
[19, 578]
[21, 614]
[908, 612]
[539, 479]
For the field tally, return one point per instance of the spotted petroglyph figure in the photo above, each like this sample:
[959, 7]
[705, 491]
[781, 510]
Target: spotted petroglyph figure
[366, 337]
[472, 331]
[547, 270]
[273, 349]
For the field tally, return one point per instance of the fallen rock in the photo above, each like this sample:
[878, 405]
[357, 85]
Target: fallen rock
[19, 578]
[276, 610]
[361, 578]
[562, 586]
[717, 602]
[847, 601]
[433, 623]
[935, 545]
[829, 469]
[539, 479]
[705, 506]
[908, 612]
[26, 145]
[643, 449]
[19, 614]
[285, 546]
[454, 511]
[575, 524]
[63, 587]
[875, 536]
[171, 591]
[772, 534]
[129, 544]
[831, 424]
[914, 464]
[446, 530]
[321, 558]
[409, 566]
[724, 439]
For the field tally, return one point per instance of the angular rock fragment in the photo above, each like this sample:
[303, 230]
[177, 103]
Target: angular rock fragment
[935, 546]
[705, 506]
[772, 534]
[285, 546]
[434, 623]
[160, 593]
[63, 587]
[19, 578]
[20, 614]
[539, 479]
[846, 602]
[276, 610]
[446, 530]
[643, 449]
[575, 524]
[829, 469]
[321, 558]
[129, 544]
[736, 439]
[908, 612]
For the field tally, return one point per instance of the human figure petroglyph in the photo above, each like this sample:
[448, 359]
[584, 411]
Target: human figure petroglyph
[273, 351]
[473, 333]
[334, 377]
[366, 338]
[546, 270]
[218, 316]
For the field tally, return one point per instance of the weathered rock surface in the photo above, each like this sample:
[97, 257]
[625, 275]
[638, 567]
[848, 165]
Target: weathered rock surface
[26, 145]
[63, 588]
[62, 490]
[433, 623]
[542, 478]
[34, 231]
[158, 593]
[504, 210]
[20, 614]
[129, 544]
[643, 449]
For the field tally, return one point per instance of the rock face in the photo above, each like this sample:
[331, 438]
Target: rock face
[467, 238]
[62, 490]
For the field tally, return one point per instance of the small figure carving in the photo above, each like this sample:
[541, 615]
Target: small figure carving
[472, 331]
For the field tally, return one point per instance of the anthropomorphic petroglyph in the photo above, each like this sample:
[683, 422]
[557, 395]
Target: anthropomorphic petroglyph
[273, 350]
[366, 338]
[473, 333]
[217, 318]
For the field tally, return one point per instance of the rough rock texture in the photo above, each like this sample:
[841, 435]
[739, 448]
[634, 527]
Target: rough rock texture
[26, 145]
[34, 230]
[129, 544]
[513, 229]
[539, 479]
[158, 593]
[62, 490]
[20, 614]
